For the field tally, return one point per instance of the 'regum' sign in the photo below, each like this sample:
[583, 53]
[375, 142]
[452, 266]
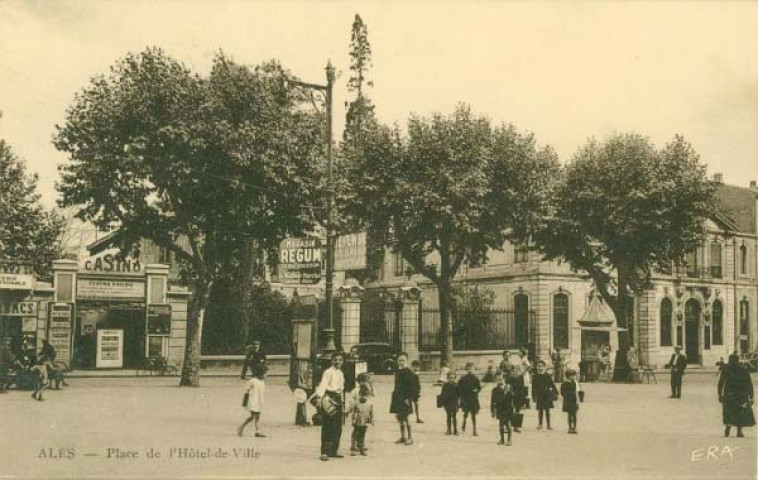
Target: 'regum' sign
[300, 260]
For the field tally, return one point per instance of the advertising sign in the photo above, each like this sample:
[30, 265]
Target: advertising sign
[300, 260]
[159, 319]
[110, 349]
[18, 309]
[12, 281]
[59, 334]
[350, 252]
[97, 289]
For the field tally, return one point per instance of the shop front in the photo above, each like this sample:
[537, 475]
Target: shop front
[118, 317]
[23, 303]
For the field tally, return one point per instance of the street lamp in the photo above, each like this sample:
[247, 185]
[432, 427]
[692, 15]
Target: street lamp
[327, 91]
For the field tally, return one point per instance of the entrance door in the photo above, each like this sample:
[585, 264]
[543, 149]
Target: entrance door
[692, 331]
[132, 322]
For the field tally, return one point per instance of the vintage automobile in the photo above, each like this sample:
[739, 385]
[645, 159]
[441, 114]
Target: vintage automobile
[379, 357]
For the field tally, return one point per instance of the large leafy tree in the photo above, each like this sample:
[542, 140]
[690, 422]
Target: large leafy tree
[202, 166]
[28, 232]
[449, 190]
[624, 209]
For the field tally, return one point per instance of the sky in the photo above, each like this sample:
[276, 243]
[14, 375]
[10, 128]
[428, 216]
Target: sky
[564, 71]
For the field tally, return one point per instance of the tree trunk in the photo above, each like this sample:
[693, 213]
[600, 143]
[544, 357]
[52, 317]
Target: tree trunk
[621, 312]
[196, 312]
[443, 294]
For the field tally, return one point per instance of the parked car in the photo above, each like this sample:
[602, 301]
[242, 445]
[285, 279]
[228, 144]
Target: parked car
[379, 357]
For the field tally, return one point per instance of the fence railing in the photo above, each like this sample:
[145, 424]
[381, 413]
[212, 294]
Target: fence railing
[493, 329]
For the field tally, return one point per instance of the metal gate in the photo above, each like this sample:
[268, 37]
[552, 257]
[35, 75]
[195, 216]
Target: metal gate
[380, 319]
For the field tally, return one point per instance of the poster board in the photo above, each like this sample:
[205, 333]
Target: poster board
[110, 348]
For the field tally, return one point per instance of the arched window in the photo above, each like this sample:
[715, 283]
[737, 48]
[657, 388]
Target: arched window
[717, 324]
[521, 313]
[560, 320]
[743, 259]
[666, 313]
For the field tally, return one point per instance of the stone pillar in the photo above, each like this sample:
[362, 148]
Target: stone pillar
[410, 296]
[350, 295]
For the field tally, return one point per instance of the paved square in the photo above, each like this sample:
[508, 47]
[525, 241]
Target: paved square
[625, 431]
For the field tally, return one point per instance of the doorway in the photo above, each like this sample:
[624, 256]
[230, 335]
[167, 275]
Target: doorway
[94, 316]
[692, 331]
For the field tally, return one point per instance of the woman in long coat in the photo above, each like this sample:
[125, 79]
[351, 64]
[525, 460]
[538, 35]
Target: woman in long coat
[736, 396]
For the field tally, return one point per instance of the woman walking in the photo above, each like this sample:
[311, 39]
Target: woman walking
[735, 390]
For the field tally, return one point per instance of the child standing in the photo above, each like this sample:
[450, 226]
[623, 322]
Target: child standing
[362, 411]
[502, 408]
[402, 399]
[543, 393]
[516, 384]
[255, 389]
[570, 392]
[415, 366]
[468, 391]
[448, 400]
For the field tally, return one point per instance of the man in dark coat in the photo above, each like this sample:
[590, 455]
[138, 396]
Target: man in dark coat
[736, 395]
[677, 364]
[254, 356]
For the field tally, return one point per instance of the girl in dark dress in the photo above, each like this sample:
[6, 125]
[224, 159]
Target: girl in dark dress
[736, 395]
[448, 400]
[502, 407]
[569, 392]
[543, 393]
[468, 390]
[402, 398]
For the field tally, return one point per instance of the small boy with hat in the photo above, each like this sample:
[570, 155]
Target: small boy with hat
[571, 393]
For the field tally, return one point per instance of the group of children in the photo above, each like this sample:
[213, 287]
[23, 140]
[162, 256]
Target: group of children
[508, 398]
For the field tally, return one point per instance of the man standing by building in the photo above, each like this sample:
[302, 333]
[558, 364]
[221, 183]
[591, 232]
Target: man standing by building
[253, 356]
[329, 395]
[677, 364]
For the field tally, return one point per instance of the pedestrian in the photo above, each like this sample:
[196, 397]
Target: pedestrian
[735, 391]
[256, 389]
[543, 394]
[448, 399]
[633, 363]
[677, 364]
[516, 383]
[444, 371]
[402, 399]
[6, 363]
[48, 354]
[39, 370]
[362, 412]
[329, 396]
[502, 408]
[468, 391]
[526, 370]
[253, 356]
[415, 366]
[505, 363]
[490, 376]
[570, 389]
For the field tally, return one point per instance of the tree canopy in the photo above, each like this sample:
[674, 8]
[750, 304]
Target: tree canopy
[202, 166]
[449, 190]
[624, 208]
[28, 233]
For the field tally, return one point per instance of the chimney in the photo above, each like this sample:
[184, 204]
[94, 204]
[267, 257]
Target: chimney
[718, 177]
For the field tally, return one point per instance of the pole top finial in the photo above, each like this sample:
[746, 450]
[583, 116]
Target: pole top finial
[329, 72]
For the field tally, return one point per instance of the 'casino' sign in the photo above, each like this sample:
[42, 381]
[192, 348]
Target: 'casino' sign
[113, 264]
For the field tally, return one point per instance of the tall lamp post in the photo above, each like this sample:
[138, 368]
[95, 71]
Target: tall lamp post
[327, 91]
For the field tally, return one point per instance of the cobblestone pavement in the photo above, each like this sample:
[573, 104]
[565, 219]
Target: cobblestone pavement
[108, 427]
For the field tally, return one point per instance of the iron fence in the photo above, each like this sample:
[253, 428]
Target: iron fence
[493, 329]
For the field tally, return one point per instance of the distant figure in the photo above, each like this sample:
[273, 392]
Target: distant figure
[468, 391]
[633, 363]
[362, 414]
[543, 394]
[444, 371]
[526, 369]
[448, 400]
[735, 391]
[490, 376]
[570, 392]
[402, 399]
[256, 389]
[502, 408]
[516, 382]
[505, 363]
[677, 364]
[253, 356]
